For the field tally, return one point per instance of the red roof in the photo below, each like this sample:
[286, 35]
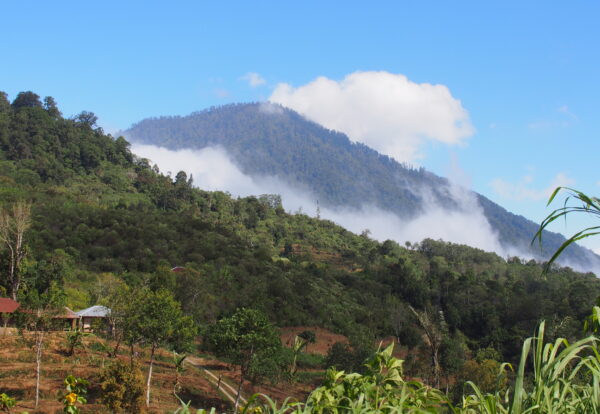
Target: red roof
[67, 314]
[8, 305]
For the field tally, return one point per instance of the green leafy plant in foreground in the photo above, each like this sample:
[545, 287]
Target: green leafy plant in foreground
[6, 403]
[381, 389]
[565, 378]
[583, 204]
[76, 391]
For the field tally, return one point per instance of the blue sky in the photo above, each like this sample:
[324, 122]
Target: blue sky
[526, 72]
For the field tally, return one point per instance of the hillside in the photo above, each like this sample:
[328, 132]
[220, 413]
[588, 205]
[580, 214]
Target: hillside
[102, 216]
[269, 140]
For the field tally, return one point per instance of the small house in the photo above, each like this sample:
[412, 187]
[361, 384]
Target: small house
[92, 315]
[68, 317]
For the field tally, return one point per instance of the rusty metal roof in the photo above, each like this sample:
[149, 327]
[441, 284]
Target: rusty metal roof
[8, 305]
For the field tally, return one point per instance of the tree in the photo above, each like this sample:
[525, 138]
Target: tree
[86, 118]
[37, 322]
[13, 225]
[586, 204]
[115, 295]
[4, 103]
[247, 339]
[27, 100]
[51, 107]
[156, 319]
[434, 330]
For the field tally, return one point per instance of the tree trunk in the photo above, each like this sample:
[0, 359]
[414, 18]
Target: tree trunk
[38, 365]
[13, 225]
[116, 349]
[5, 324]
[131, 355]
[436, 367]
[237, 397]
[149, 376]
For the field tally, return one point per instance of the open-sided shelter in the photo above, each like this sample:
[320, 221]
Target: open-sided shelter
[91, 314]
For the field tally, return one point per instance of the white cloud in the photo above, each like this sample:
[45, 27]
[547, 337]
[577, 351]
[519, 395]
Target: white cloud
[383, 110]
[564, 120]
[523, 190]
[253, 79]
[221, 93]
[212, 169]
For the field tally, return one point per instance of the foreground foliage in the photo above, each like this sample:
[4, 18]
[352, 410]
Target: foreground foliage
[576, 202]
[564, 378]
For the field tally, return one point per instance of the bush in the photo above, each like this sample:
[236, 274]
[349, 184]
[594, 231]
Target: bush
[122, 388]
[341, 357]
[310, 361]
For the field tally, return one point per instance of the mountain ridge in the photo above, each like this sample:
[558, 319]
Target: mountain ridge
[267, 139]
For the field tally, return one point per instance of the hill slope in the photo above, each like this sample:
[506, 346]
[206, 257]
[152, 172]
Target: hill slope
[103, 216]
[269, 140]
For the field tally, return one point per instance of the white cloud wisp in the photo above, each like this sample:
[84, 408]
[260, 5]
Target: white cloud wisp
[254, 79]
[522, 190]
[212, 169]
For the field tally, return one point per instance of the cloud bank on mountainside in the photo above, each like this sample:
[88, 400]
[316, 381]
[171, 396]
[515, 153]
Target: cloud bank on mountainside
[385, 111]
[213, 169]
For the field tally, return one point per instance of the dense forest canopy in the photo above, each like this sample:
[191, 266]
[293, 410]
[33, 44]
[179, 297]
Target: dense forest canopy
[100, 213]
[269, 140]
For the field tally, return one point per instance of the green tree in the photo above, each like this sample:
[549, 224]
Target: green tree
[156, 319]
[14, 222]
[51, 107]
[4, 103]
[27, 100]
[36, 324]
[247, 339]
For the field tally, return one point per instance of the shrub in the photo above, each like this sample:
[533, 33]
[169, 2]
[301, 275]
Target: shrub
[122, 388]
[6, 403]
[310, 361]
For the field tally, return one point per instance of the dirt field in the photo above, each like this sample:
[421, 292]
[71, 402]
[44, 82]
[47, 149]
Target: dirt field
[17, 377]
[324, 338]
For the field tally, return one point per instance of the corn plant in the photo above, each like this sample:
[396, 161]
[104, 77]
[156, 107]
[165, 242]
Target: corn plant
[556, 381]
[583, 204]
[185, 409]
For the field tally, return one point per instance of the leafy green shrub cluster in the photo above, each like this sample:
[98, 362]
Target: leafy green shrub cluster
[122, 388]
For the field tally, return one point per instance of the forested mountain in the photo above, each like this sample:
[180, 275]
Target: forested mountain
[102, 216]
[269, 140]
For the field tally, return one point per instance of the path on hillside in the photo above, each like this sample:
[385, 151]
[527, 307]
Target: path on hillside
[227, 390]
